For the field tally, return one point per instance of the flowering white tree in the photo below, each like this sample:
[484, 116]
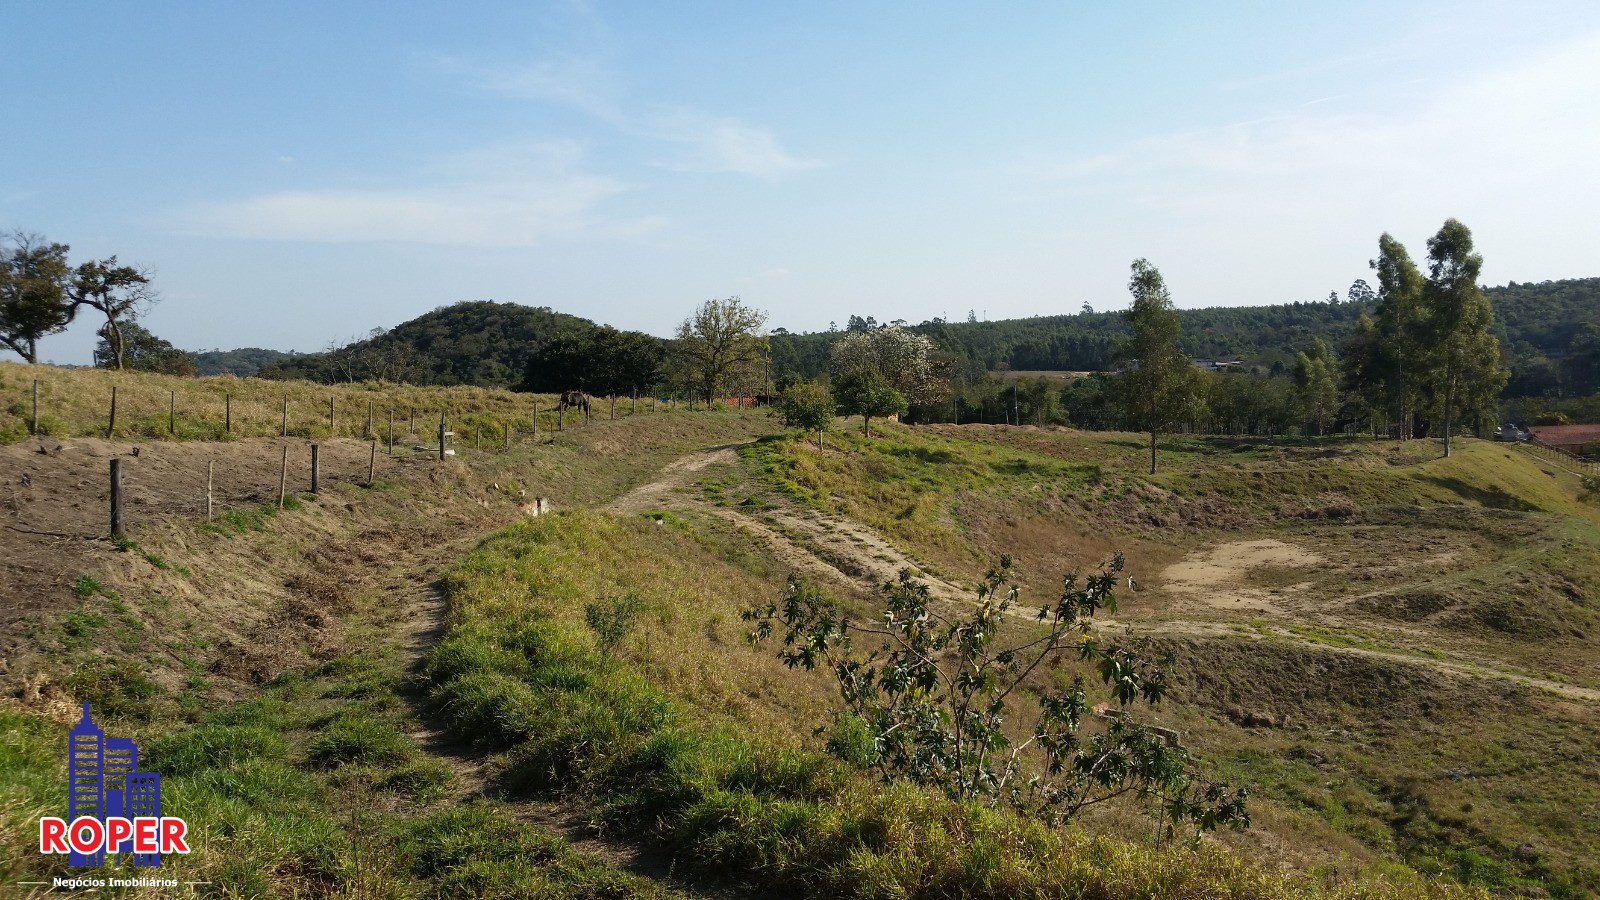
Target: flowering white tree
[905, 359]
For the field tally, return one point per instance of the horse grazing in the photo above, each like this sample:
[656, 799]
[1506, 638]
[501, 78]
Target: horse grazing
[571, 399]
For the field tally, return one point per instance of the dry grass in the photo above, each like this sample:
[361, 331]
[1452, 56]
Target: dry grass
[77, 403]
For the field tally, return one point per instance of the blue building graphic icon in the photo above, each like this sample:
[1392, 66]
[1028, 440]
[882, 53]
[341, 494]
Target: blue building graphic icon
[103, 780]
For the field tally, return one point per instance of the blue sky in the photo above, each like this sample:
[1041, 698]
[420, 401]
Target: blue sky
[297, 173]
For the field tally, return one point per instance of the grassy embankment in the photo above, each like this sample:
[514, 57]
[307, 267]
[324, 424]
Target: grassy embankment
[675, 736]
[1489, 560]
[262, 664]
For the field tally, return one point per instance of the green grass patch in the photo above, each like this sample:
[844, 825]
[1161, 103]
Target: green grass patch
[519, 670]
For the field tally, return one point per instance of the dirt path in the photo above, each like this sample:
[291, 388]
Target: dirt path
[1455, 667]
[826, 548]
[850, 554]
[420, 623]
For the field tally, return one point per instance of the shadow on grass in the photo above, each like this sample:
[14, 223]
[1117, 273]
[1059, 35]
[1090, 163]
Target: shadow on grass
[1492, 497]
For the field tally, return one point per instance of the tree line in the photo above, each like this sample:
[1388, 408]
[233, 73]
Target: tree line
[1425, 359]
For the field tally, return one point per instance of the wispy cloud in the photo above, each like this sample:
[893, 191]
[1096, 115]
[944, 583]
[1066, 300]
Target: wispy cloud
[721, 144]
[500, 197]
[578, 81]
[680, 138]
[1529, 123]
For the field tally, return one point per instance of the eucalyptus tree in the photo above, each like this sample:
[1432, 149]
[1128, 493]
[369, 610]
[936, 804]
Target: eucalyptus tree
[1316, 384]
[1462, 350]
[1158, 384]
[1392, 366]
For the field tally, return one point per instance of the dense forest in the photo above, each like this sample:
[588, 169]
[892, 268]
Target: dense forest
[1536, 322]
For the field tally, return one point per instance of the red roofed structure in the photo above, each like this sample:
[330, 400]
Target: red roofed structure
[1571, 438]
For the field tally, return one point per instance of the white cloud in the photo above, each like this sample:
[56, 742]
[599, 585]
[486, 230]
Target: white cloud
[509, 196]
[721, 144]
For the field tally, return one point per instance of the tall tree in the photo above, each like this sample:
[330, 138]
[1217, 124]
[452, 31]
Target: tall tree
[121, 293]
[1156, 387]
[33, 292]
[1462, 350]
[721, 343]
[1316, 384]
[1397, 356]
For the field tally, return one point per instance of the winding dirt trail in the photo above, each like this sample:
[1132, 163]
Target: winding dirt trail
[826, 548]
[851, 555]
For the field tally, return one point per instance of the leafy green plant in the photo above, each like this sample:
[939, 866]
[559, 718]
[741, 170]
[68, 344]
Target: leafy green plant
[934, 694]
[613, 619]
[809, 406]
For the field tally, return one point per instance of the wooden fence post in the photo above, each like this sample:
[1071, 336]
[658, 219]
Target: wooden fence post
[372, 462]
[283, 477]
[536, 421]
[227, 416]
[369, 419]
[332, 422]
[112, 428]
[477, 437]
[391, 431]
[35, 407]
[441, 439]
[116, 497]
[209, 464]
[283, 430]
[172, 412]
[316, 469]
[412, 428]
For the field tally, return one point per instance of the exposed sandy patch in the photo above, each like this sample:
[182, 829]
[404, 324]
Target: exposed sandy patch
[1217, 577]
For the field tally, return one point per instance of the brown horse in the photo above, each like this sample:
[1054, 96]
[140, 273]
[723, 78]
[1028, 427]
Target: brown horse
[571, 399]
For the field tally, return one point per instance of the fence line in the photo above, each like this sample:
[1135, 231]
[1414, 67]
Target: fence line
[131, 417]
[1562, 458]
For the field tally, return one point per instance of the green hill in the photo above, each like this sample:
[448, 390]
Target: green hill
[481, 343]
[242, 362]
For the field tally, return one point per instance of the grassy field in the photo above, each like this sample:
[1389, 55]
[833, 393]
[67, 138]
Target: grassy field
[77, 403]
[1324, 600]
[696, 746]
[1344, 617]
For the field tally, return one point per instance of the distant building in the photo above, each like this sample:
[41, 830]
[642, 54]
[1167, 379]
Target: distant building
[1215, 365]
[1579, 440]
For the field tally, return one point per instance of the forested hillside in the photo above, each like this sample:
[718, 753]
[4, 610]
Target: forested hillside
[480, 343]
[490, 344]
[1537, 322]
[242, 362]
